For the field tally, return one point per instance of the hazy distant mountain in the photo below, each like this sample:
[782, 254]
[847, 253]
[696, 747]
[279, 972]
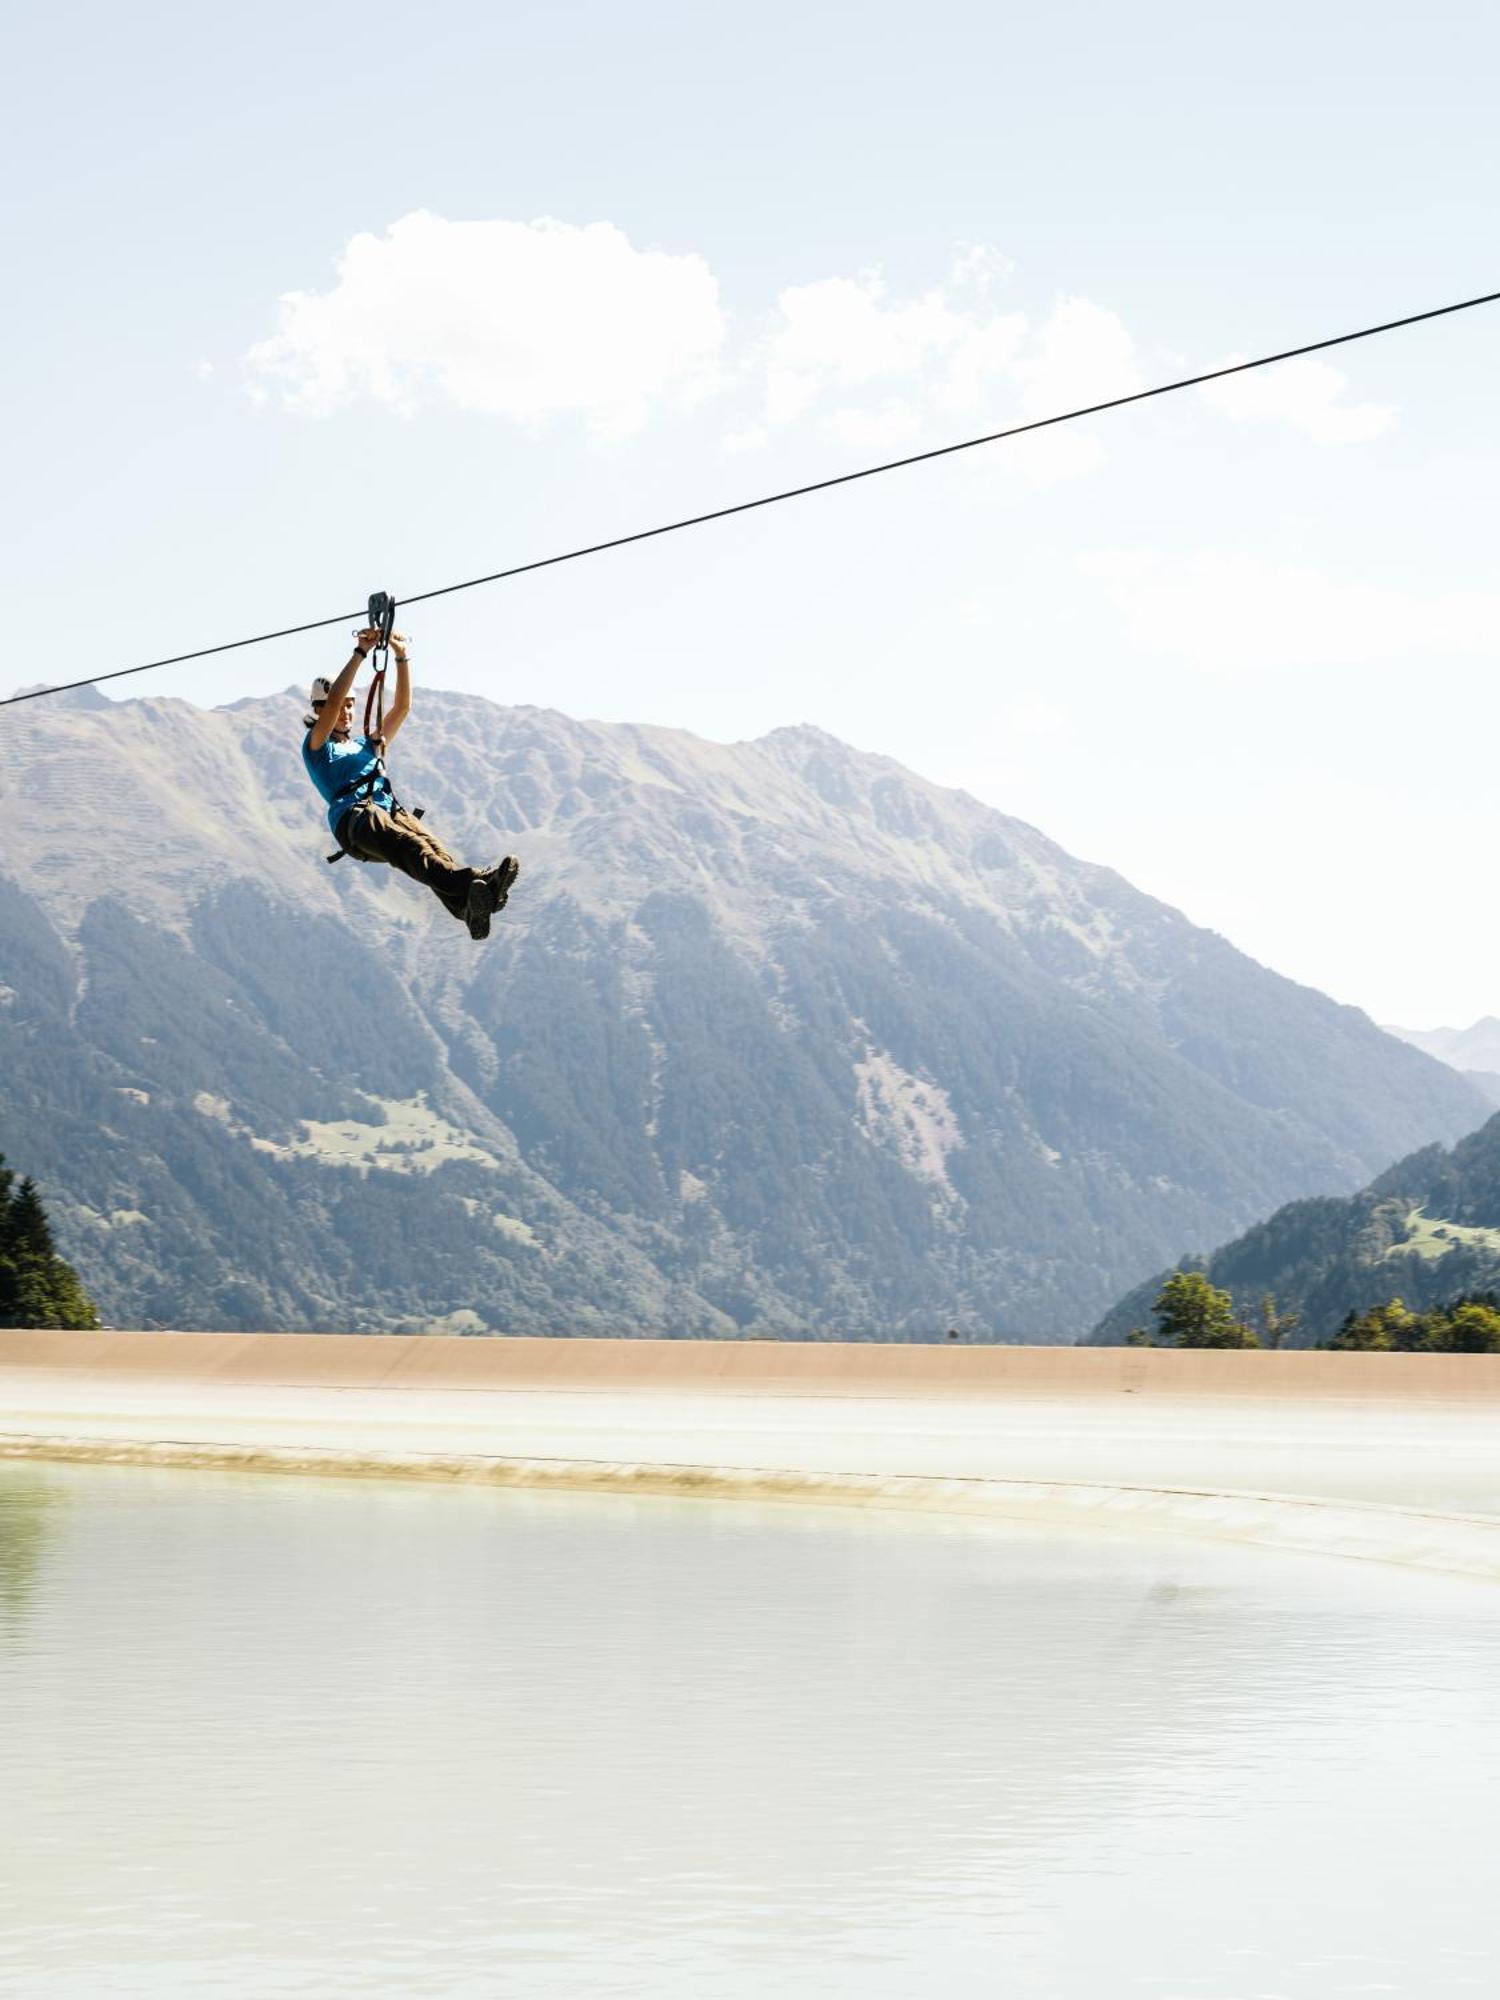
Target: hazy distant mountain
[1477, 1047]
[1427, 1231]
[1475, 1051]
[775, 1037]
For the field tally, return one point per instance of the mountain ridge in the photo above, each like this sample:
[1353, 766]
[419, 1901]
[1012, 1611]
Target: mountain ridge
[778, 1035]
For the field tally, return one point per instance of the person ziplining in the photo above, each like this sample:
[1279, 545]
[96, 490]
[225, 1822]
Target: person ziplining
[348, 768]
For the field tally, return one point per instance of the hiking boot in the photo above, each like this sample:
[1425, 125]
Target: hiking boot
[500, 880]
[477, 907]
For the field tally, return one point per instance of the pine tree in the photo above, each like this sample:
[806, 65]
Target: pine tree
[36, 1287]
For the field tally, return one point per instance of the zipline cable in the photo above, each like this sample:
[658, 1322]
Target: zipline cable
[790, 493]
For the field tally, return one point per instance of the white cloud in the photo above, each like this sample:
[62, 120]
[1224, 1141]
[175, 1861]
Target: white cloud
[1307, 395]
[1081, 354]
[528, 321]
[748, 438]
[534, 321]
[540, 320]
[979, 265]
[1047, 458]
[1237, 613]
[840, 334]
[887, 426]
[885, 373]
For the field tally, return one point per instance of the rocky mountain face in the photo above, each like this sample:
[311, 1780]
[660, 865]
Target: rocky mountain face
[1426, 1231]
[775, 1038]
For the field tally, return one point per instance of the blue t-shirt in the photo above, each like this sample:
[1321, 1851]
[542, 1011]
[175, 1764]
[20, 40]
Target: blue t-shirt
[345, 761]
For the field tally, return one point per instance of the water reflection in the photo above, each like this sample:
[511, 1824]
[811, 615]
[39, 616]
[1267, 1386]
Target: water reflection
[27, 1502]
[283, 1736]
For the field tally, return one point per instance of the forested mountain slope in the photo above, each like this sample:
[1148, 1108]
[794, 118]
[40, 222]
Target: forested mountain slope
[775, 1037]
[1426, 1231]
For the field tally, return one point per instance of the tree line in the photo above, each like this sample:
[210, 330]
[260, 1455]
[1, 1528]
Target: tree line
[1190, 1312]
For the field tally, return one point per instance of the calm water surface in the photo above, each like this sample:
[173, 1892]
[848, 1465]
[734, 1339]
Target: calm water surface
[277, 1736]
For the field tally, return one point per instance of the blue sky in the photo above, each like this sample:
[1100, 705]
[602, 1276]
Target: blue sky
[286, 324]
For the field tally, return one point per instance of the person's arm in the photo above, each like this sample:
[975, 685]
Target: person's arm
[324, 724]
[400, 708]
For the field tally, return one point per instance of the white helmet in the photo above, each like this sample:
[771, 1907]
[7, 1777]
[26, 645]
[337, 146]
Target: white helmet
[322, 688]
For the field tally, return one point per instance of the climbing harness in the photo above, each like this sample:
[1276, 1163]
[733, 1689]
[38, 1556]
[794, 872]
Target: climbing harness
[356, 792]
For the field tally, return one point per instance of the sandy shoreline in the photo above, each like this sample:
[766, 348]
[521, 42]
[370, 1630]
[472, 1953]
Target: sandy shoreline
[1386, 1457]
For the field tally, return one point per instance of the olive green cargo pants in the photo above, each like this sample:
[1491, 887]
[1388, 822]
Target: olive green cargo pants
[370, 833]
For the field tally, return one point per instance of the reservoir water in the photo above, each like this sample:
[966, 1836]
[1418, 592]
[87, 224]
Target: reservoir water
[269, 1736]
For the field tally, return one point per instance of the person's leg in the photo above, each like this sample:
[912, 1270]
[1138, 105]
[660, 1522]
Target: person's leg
[484, 894]
[497, 881]
[404, 843]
